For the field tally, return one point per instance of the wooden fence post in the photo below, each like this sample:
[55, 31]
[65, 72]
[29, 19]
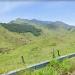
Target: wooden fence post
[22, 59]
[58, 52]
[53, 53]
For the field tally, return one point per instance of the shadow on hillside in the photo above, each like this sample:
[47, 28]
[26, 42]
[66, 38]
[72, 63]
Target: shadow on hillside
[22, 28]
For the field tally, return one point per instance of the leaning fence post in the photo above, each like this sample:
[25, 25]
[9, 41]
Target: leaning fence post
[22, 59]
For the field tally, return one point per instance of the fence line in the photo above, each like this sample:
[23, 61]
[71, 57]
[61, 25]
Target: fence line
[39, 65]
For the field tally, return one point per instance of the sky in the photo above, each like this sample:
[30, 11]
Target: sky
[45, 10]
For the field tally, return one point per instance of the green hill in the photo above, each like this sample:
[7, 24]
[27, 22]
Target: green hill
[22, 28]
[33, 39]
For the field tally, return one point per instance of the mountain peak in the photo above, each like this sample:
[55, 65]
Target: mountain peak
[39, 22]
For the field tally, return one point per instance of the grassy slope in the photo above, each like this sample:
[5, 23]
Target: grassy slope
[39, 48]
[54, 68]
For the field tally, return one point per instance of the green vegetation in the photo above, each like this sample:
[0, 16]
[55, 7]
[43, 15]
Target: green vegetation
[54, 68]
[33, 40]
[22, 28]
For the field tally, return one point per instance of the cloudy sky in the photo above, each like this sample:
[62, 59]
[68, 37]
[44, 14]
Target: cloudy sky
[51, 11]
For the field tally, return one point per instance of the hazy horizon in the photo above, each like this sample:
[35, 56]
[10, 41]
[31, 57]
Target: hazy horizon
[44, 11]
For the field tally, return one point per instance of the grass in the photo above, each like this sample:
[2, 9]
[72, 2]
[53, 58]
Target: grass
[39, 48]
[30, 52]
[54, 68]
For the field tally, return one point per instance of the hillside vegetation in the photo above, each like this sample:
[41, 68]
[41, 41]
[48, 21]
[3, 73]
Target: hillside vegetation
[66, 67]
[33, 39]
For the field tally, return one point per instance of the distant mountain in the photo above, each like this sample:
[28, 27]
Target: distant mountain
[40, 22]
[31, 22]
[48, 24]
[58, 24]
